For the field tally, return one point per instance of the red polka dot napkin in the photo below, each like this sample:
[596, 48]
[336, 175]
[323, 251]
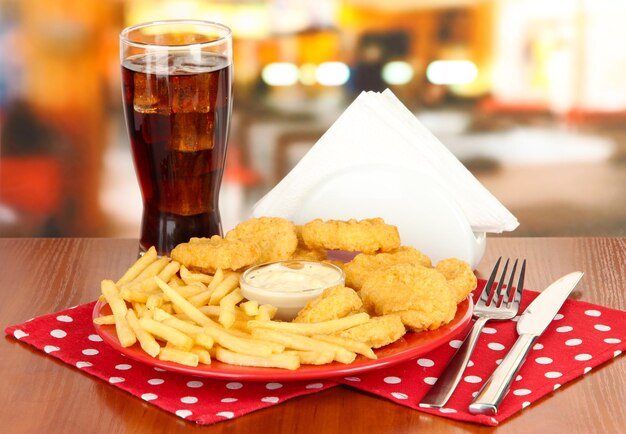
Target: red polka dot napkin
[582, 337]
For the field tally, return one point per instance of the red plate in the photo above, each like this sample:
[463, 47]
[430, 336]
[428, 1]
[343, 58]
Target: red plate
[411, 346]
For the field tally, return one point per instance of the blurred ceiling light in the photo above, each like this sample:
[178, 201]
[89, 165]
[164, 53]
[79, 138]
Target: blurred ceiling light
[280, 74]
[307, 74]
[397, 72]
[451, 72]
[332, 73]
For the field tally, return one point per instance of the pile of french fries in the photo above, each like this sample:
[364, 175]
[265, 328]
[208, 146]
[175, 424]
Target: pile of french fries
[190, 318]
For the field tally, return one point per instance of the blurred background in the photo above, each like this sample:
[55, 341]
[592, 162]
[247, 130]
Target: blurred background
[530, 95]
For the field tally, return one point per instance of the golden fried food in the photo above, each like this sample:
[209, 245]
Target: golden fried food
[420, 295]
[274, 237]
[209, 254]
[367, 236]
[335, 302]
[378, 331]
[363, 264]
[459, 275]
[306, 254]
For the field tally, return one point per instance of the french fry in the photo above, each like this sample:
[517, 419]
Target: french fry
[125, 334]
[170, 270]
[167, 333]
[189, 290]
[250, 307]
[230, 282]
[170, 320]
[227, 308]
[175, 280]
[139, 309]
[154, 300]
[214, 311]
[179, 356]
[304, 343]
[317, 328]
[313, 357]
[205, 296]
[151, 270]
[203, 355]
[134, 295]
[203, 340]
[285, 361]
[148, 258]
[239, 344]
[104, 320]
[146, 340]
[266, 312]
[348, 344]
[189, 276]
[185, 306]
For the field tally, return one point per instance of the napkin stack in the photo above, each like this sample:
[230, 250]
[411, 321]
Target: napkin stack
[378, 130]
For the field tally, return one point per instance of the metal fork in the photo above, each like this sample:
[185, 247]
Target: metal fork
[498, 304]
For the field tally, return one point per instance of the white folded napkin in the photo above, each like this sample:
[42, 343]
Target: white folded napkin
[382, 140]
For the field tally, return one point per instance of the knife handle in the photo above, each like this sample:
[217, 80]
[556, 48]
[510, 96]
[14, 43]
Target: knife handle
[494, 390]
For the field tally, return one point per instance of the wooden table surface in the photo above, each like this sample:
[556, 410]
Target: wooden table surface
[42, 395]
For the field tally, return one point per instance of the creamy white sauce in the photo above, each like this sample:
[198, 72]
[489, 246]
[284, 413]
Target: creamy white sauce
[296, 277]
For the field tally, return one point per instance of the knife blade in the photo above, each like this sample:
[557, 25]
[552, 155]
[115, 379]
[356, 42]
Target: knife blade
[533, 322]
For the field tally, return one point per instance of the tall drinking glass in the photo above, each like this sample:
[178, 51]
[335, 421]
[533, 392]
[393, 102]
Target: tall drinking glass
[177, 89]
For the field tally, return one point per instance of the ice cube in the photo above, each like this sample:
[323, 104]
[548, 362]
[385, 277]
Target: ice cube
[191, 132]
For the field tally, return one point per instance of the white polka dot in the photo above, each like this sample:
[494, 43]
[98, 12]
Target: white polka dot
[593, 312]
[95, 338]
[518, 378]
[392, 380]
[64, 318]
[353, 379]
[228, 400]
[90, 352]
[558, 316]
[232, 386]
[430, 380]
[602, 327]
[455, 343]
[564, 329]
[525, 404]
[123, 367]
[543, 360]
[50, 349]
[270, 399]
[495, 346]
[470, 364]
[183, 413]
[426, 363]
[587, 369]
[573, 342]
[612, 340]
[474, 394]
[314, 386]
[399, 395]
[498, 361]
[273, 386]
[198, 384]
[521, 392]
[447, 410]
[617, 353]
[553, 374]
[226, 414]
[489, 330]
[159, 369]
[188, 399]
[58, 333]
[19, 334]
[538, 347]
[472, 379]
[149, 396]
[114, 380]
[556, 386]
[582, 357]
[156, 381]
[82, 364]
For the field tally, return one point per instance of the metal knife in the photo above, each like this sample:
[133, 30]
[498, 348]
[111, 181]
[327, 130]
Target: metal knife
[530, 326]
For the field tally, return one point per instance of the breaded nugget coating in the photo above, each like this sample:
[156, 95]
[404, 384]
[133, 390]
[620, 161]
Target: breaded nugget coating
[420, 295]
[209, 254]
[363, 264]
[334, 303]
[306, 254]
[275, 237]
[459, 275]
[378, 331]
[367, 236]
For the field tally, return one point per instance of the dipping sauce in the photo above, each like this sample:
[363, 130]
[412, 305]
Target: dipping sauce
[289, 285]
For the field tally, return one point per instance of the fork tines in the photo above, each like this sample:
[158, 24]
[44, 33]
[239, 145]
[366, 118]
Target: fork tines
[504, 293]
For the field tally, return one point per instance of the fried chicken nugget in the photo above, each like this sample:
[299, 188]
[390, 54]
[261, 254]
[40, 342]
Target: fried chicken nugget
[367, 236]
[420, 295]
[275, 237]
[209, 254]
[378, 331]
[363, 264]
[333, 303]
[459, 275]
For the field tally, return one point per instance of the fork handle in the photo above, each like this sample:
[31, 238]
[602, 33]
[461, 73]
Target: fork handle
[443, 389]
[496, 387]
